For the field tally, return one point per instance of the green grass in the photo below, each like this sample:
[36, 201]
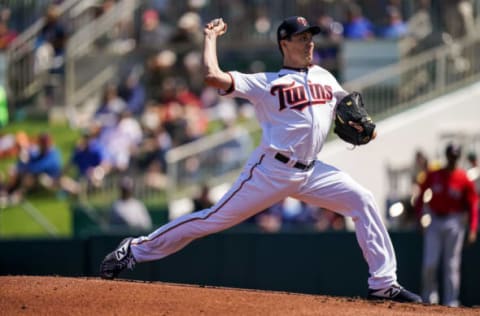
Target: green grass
[14, 220]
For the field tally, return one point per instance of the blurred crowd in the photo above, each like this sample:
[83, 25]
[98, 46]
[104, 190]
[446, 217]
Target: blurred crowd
[159, 102]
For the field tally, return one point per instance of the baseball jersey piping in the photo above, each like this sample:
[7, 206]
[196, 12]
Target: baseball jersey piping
[211, 213]
[230, 89]
[306, 69]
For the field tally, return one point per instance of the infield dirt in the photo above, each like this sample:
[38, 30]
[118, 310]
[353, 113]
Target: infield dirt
[50, 295]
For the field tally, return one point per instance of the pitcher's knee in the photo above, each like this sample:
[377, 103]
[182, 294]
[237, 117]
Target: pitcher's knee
[364, 200]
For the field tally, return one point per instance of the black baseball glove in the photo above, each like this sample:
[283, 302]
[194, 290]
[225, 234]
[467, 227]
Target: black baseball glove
[352, 109]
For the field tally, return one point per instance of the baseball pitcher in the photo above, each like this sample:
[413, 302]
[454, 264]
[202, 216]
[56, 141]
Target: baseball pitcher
[296, 107]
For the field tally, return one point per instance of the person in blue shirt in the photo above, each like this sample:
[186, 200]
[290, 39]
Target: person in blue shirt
[357, 26]
[133, 93]
[395, 27]
[89, 161]
[42, 165]
[87, 155]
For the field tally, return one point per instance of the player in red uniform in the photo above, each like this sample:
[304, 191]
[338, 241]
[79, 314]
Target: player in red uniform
[453, 199]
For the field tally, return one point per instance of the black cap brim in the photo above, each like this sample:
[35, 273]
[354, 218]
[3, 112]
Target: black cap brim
[310, 29]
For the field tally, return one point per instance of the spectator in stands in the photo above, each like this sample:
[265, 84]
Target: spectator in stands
[111, 106]
[41, 166]
[419, 29]
[120, 142]
[155, 144]
[8, 145]
[188, 36]
[152, 156]
[202, 200]
[459, 22]
[328, 220]
[88, 158]
[293, 214]
[50, 54]
[130, 126]
[193, 70]
[154, 33]
[458, 18]
[158, 69]
[394, 26]
[128, 212]
[197, 121]
[262, 22]
[357, 26]
[54, 34]
[189, 30]
[328, 48]
[121, 38]
[184, 95]
[472, 159]
[180, 113]
[473, 169]
[132, 91]
[14, 145]
[420, 167]
[6, 35]
[176, 124]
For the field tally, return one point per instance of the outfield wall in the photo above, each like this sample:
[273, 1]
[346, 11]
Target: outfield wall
[326, 263]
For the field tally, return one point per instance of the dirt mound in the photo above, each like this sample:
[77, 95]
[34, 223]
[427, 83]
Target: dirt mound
[29, 295]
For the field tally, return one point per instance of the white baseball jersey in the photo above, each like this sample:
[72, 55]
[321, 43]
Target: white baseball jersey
[295, 109]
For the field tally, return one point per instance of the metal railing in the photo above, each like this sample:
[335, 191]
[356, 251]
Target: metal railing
[24, 13]
[420, 78]
[211, 160]
[84, 29]
[23, 81]
[106, 192]
[93, 56]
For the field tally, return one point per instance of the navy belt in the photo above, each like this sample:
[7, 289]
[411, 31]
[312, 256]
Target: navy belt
[298, 165]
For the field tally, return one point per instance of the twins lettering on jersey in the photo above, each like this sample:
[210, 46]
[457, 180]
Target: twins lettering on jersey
[296, 97]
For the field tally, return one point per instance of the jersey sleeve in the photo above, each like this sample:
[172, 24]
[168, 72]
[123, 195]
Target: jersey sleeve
[338, 91]
[337, 88]
[247, 86]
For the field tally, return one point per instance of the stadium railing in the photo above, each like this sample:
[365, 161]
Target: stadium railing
[23, 82]
[84, 28]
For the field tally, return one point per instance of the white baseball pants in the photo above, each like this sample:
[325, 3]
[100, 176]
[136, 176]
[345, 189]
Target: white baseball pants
[443, 240]
[265, 181]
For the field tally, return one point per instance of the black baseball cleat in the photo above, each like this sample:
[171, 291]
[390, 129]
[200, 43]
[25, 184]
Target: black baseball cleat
[117, 260]
[394, 293]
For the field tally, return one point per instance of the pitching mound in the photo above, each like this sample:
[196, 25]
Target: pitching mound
[27, 295]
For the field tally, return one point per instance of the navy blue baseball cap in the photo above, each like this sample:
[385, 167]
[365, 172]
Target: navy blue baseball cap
[453, 149]
[295, 25]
